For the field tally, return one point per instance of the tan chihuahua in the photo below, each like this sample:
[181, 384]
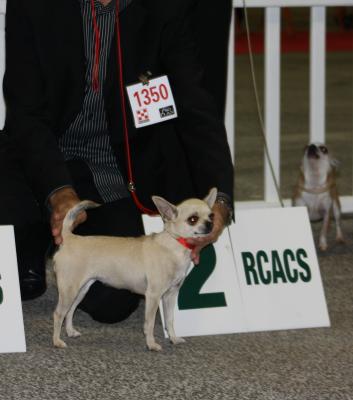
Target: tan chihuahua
[316, 189]
[153, 265]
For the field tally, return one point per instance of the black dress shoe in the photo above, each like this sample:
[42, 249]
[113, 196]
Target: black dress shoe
[32, 285]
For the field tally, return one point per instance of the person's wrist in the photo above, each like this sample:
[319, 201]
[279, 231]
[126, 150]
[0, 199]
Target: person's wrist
[222, 213]
[225, 208]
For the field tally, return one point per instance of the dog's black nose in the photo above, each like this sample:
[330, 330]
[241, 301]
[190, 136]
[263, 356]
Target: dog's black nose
[313, 151]
[208, 226]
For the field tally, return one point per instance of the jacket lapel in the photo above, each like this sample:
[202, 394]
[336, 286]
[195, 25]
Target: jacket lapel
[132, 23]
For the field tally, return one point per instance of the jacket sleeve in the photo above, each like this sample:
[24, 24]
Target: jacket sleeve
[27, 119]
[200, 130]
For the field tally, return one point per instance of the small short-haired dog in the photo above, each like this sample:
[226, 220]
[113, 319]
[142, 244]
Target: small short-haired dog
[317, 190]
[153, 265]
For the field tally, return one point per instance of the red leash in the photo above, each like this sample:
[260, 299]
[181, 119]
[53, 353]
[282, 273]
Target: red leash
[97, 45]
[95, 85]
[131, 185]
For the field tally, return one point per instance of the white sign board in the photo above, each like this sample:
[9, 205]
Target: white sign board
[278, 269]
[12, 336]
[208, 303]
[271, 282]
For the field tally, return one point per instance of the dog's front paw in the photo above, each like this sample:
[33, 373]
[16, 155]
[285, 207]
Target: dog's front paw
[154, 346]
[60, 344]
[177, 340]
[323, 245]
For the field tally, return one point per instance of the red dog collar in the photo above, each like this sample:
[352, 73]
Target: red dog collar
[184, 243]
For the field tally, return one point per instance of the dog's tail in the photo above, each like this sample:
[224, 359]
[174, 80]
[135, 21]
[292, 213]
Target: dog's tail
[72, 214]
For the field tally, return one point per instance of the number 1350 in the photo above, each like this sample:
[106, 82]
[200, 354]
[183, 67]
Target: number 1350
[151, 94]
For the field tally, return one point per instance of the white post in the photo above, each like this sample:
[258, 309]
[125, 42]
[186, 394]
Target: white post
[272, 97]
[230, 103]
[318, 74]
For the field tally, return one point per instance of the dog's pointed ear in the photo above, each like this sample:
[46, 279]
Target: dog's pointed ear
[167, 210]
[210, 199]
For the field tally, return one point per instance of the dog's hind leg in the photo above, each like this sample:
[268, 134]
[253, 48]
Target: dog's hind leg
[337, 216]
[70, 330]
[169, 299]
[152, 302]
[64, 304]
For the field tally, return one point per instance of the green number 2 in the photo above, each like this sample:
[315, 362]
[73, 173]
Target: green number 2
[189, 294]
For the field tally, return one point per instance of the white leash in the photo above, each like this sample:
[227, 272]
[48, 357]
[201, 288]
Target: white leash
[258, 104]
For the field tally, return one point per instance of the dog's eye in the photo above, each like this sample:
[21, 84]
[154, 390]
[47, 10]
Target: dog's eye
[211, 217]
[193, 220]
[324, 149]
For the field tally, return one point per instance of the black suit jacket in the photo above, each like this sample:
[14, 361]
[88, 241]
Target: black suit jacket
[44, 90]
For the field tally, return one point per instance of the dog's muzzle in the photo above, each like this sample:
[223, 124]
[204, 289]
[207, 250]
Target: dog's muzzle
[313, 152]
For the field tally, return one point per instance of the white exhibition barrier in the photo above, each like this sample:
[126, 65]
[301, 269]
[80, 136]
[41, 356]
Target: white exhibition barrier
[272, 109]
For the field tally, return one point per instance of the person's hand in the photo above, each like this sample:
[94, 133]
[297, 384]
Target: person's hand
[221, 215]
[61, 202]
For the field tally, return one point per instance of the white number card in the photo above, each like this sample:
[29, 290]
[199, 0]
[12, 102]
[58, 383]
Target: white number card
[152, 102]
[12, 335]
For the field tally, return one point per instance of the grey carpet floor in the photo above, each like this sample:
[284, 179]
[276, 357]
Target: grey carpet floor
[111, 361]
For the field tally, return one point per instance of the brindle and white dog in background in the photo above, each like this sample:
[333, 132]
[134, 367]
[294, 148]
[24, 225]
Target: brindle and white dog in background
[317, 190]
